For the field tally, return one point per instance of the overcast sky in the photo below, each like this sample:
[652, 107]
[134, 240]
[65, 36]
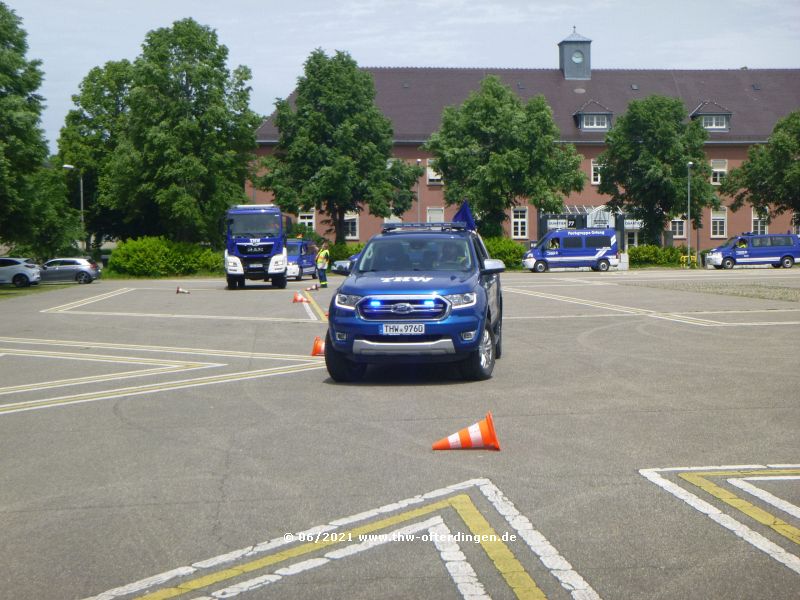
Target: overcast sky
[274, 37]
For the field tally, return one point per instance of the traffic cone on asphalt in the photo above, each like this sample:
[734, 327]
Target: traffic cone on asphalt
[318, 349]
[479, 435]
[298, 297]
[180, 290]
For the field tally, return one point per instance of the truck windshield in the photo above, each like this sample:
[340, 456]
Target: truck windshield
[255, 225]
[414, 254]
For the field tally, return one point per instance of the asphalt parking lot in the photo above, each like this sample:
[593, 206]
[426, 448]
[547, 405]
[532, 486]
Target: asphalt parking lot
[160, 445]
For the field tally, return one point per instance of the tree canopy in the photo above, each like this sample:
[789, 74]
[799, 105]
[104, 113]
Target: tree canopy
[496, 151]
[168, 139]
[769, 179]
[22, 144]
[644, 167]
[334, 147]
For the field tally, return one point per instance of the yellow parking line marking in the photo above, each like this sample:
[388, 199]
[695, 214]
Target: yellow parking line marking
[85, 301]
[700, 480]
[316, 307]
[162, 349]
[159, 387]
[509, 567]
[619, 308]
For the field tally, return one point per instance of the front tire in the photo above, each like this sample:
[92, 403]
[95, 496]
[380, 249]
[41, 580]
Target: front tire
[279, 281]
[539, 266]
[728, 263]
[480, 364]
[340, 368]
[787, 262]
[21, 281]
[602, 266]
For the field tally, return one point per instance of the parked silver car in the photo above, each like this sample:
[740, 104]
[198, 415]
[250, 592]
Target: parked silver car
[80, 270]
[20, 272]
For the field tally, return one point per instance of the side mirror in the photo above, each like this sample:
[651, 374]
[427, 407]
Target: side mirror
[493, 265]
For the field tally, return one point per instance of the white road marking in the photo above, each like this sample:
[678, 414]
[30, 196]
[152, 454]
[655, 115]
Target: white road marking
[85, 301]
[779, 503]
[548, 555]
[739, 529]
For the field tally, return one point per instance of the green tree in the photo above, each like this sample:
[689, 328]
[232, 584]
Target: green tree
[91, 133]
[52, 226]
[494, 150]
[769, 179]
[187, 140]
[334, 147]
[22, 145]
[644, 166]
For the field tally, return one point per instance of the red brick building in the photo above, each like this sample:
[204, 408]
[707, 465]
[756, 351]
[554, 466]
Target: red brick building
[738, 108]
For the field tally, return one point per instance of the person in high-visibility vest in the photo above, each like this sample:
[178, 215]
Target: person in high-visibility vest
[322, 260]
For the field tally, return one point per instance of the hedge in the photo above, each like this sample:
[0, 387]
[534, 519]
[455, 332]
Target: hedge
[648, 256]
[160, 257]
[509, 251]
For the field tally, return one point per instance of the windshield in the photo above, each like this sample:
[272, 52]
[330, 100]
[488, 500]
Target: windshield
[293, 247]
[416, 254]
[255, 225]
[729, 243]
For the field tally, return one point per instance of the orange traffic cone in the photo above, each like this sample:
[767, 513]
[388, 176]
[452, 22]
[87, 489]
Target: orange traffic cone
[479, 435]
[180, 290]
[298, 297]
[318, 349]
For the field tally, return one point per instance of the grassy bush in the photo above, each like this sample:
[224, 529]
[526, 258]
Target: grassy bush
[344, 251]
[650, 256]
[509, 251]
[160, 257]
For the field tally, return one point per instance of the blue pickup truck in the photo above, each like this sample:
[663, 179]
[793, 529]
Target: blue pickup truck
[418, 293]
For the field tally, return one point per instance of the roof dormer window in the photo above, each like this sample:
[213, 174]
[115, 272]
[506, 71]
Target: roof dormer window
[594, 122]
[715, 122]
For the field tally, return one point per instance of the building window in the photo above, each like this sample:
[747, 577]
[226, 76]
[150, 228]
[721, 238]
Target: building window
[759, 224]
[716, 122]
[307, 219]
[719, 170]
[435, 215]
[594, 122]
[351, 226]
[719, 223]
[519, 223]
[595, 173]
[434, 177]
[632, 238]
[678, 228]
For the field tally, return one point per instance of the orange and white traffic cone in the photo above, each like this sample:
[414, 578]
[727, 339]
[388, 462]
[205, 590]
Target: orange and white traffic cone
[298, 297]
[318, 349]
[479, 435]
[180, 290]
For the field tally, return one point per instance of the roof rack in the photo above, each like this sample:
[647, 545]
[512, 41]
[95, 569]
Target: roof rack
[440, 226]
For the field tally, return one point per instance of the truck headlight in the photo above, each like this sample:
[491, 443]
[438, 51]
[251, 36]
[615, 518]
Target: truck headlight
[347, 301]
[462, 300]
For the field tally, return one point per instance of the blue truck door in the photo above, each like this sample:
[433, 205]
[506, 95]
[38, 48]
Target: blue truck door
[572, 252]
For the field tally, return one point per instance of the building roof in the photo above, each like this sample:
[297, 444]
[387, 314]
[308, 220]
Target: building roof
[413, 98]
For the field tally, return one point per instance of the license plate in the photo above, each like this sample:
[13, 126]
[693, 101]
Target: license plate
[403, 329]
[256, 266]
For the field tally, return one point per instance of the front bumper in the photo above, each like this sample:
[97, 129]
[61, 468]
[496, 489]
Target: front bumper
[714, 259]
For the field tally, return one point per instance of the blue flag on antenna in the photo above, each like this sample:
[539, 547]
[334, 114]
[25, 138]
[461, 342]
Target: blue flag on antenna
[464, 215]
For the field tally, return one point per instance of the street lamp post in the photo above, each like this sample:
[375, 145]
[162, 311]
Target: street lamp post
[83, 224]
[419, 210]
[689, 166]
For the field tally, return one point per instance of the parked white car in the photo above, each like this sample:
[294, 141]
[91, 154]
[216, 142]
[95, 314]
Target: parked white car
[20, 272]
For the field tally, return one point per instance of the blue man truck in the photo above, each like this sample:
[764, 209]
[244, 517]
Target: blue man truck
[255, 245]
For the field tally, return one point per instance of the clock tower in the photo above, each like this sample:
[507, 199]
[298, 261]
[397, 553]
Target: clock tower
[574, 56]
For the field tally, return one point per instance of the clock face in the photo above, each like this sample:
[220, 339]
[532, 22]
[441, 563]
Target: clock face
[577, 57]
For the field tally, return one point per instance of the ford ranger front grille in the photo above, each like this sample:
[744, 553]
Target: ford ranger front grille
[382, 308]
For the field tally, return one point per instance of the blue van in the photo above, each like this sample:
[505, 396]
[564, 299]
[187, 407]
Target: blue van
[595, 248]
[776, 249]
[300, 255]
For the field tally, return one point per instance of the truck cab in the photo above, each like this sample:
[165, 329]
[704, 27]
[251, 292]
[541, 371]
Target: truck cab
[418, 293]
[255, 245]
